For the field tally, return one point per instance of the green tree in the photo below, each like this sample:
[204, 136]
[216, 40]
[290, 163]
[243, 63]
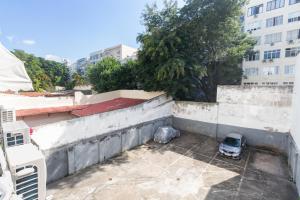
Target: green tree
[44, 74]
[187, 52]
[109, 74]
[77, 80]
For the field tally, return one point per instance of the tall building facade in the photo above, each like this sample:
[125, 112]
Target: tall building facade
[275, 25]
[120, 52]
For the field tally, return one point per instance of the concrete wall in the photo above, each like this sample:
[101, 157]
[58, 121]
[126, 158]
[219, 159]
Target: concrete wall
[40, 120]
[97, 98]
[66, 144]
[74, 157]
[62, 133]
[24, 102]
[294, 143]
[262, 114]
[196, 117]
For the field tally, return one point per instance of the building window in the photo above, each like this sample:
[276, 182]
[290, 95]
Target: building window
[288, 83]
[289, 69]
[253, 26]
[255, 10]
[273, 38]
[292, 52]
[293, 35]
[250, 83]
[274, 21]
[294, 17]
[291, 2]
[269, 71]
[272, 54]
[251, 71]
[274, 4]
[253, 56]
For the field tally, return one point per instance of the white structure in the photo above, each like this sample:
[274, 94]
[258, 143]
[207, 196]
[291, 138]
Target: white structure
[275, 25]
[28, 169]
[13, 75]
[120, 52]
[15, 133]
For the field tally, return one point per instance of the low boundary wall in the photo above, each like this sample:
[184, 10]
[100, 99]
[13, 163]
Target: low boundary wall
[73, 157]
[264, 115]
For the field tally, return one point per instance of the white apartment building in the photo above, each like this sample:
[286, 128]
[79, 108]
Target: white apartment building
[275, 25]
[120, 52]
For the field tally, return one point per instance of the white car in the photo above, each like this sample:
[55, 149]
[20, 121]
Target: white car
[233, 145]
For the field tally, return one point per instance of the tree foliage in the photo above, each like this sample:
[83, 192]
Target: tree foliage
[110, 74]
[44, 74]
[187, 52]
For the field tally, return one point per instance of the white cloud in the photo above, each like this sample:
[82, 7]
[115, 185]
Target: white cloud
[28, 42]
[10, 38]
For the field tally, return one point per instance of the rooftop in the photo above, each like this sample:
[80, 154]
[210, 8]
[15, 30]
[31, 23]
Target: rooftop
[187, 168]
[83, 110]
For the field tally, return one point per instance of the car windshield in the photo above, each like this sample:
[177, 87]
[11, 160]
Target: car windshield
[232, 142]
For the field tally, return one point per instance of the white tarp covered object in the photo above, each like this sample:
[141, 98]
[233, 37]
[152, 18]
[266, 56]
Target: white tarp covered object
[165, 134]
[13, 75]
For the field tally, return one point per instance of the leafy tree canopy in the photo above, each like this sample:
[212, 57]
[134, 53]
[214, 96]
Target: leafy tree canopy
[110, 74]
[187, 52]
[44, 74]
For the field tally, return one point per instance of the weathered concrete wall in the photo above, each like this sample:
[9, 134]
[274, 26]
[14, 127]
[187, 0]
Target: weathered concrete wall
[262, 114]
[66, 132]
[294, 145]
[196, 117]
[39, 120]
[73, 157]
[23, 102]
[97, 98]
[264, 121]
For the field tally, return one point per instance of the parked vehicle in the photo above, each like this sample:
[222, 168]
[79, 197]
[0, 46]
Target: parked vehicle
[233, 145]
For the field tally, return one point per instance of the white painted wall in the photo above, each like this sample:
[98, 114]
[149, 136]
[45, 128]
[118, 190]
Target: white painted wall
[264, 108]
[197, 111]
[296, 106]
[66, 132]
[81, 99]
[260, 108]
[44, 119]
[24, 102]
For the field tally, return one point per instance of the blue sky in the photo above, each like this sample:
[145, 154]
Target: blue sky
[70, 28]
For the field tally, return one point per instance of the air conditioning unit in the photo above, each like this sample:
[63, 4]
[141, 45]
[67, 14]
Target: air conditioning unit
[272, 43]
[7, 115]
[291, 41]
[28, 170]
[15, 133]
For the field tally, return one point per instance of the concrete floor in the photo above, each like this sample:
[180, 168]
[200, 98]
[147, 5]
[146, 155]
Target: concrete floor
[187, 168]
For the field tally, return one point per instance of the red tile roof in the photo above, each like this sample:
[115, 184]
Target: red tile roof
[106, 106]
[83, 110]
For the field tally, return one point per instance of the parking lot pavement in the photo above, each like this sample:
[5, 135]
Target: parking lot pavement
[187, 168]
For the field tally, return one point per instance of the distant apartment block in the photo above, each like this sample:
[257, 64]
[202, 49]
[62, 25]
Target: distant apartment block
[120, 52]
[275, 25]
